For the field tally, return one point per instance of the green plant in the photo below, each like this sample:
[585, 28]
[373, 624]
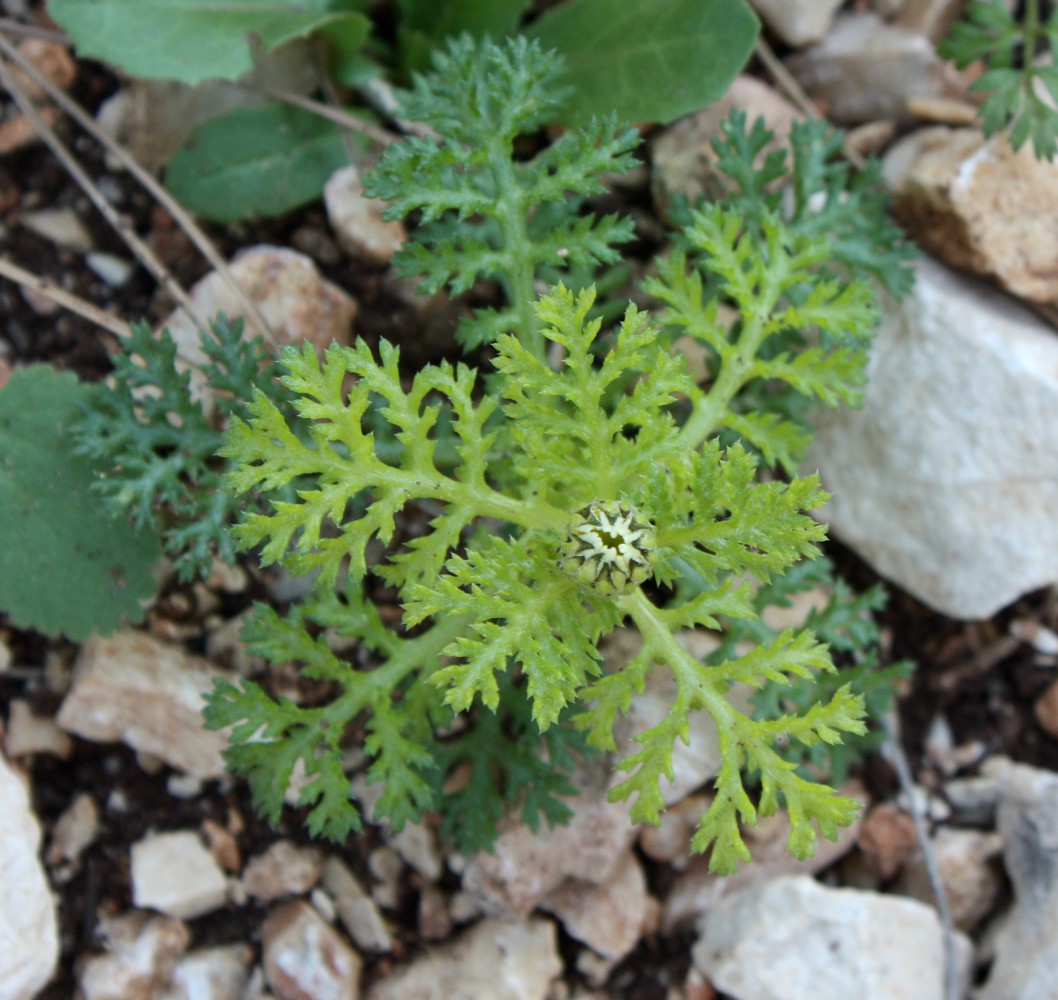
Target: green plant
[66, 565]
[1020, 81]
[599, 504]
[486, 213]
[153, 441]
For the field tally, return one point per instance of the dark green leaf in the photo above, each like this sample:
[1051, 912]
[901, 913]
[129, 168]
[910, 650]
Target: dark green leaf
[256, 161]
[66, 566]
[649, 61]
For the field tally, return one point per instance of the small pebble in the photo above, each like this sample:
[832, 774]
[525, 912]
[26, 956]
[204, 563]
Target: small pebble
[114, 271]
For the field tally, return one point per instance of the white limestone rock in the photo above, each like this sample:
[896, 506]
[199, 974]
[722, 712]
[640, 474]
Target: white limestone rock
[29, 733]
[176, 874]
[947, 480]
[525, 866]
[74, 830]
[495, 959]
[29, 944]
[794, 939]
[417, 845]
[798, 22]
[1025, 947]
[147, 694]
[307, 959]
[966, 861]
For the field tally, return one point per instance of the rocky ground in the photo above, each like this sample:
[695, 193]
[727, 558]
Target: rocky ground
[133, 867]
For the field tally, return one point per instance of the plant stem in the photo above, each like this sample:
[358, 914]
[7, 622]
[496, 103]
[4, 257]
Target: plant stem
[514, 231]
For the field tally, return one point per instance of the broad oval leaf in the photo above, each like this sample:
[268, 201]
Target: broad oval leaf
[66, 566]
[651, 61]
[256, 161]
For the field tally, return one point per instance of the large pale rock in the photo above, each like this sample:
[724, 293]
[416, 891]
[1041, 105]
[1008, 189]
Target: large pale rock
[794, 939]
[307, 959]
[947, 480]
[133, 688]
[293, 297]
[29, 945]
[1024, 966]
[683, 161]
[980, 205]
[866, 69]
[797, 22]
[176, 874]
[495, 959]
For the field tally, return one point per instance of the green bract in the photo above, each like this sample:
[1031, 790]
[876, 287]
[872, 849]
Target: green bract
[551, 461]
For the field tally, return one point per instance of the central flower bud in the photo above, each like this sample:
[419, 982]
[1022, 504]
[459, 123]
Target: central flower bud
[609, 546]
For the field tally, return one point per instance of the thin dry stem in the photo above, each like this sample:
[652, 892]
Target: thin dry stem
[336, 115]
[895, 751]
[143, 253]
[74, 303]
[178, 213]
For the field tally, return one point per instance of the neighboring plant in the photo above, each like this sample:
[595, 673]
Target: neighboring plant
[648, 61]
[484, 212]
[66, 565]
[817, 196]
[153, 441]
[1020, 78]
[576, 519]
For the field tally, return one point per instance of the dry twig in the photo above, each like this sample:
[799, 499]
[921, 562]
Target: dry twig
[895, 752]
[48, 288]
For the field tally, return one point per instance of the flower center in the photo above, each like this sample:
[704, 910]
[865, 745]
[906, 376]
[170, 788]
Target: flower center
[609, 546]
